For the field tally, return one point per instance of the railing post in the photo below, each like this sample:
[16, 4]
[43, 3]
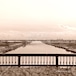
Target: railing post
[19, 61]
[56, 60]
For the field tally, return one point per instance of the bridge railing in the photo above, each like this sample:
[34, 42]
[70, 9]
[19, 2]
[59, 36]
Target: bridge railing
[38, 60]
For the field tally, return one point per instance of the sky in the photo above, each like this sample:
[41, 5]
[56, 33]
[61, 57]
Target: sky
[38, 15]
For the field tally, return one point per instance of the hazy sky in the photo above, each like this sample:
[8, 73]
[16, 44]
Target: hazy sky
[37, 15]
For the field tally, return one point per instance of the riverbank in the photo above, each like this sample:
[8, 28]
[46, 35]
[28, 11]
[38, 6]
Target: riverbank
[5, 49]
[9, 46]
[70, 47]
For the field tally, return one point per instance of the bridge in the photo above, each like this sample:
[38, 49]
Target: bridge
[37, 60]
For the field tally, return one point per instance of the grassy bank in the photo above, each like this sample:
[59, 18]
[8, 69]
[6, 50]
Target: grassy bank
[68, 46]
[9, 46]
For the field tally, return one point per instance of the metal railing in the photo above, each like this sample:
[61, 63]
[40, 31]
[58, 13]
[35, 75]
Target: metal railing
[38, 60]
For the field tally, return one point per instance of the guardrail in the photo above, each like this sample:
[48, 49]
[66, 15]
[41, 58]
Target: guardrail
[38, 60]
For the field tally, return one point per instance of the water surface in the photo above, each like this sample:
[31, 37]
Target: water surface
[37, 47]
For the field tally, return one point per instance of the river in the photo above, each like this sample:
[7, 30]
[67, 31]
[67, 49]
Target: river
[37, 47]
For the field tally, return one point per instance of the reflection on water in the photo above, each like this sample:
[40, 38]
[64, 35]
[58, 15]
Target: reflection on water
[39, 47]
